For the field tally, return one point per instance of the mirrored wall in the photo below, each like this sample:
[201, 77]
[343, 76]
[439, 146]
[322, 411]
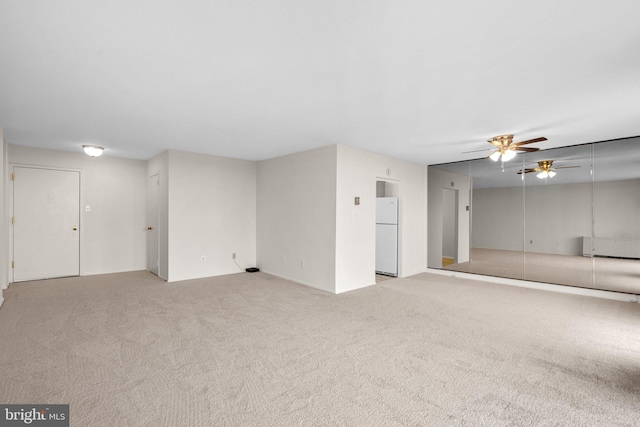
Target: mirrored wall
[569, 216]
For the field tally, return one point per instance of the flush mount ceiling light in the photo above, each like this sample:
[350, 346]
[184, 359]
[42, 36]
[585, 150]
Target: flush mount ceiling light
[92, 150]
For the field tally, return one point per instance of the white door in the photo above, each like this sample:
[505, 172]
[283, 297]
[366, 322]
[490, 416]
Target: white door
[46, 230]
[152, 227]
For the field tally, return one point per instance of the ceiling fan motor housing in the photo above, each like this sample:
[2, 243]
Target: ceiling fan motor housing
[502, 140]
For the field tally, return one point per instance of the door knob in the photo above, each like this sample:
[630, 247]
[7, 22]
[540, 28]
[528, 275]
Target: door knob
[149, 228]
[75, 228]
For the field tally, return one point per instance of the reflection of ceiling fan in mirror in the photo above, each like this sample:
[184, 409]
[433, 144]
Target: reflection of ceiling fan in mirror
[545, 169]
[507, 149]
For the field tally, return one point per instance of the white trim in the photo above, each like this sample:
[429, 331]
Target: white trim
[1, 301]
[618, 296]
[359, 287]
[34, 166]
[10, 213]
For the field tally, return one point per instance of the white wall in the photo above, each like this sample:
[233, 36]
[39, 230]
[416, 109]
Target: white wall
[159, 165]
[357, 174]
[439, 179]
[113, 233]
[307, 212]
[292, 216]
[212, 213]
[296, 205]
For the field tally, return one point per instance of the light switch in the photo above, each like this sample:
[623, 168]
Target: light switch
[357, 201]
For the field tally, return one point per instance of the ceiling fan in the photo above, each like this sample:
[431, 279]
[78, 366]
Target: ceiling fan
[506, 148]
[544, 169]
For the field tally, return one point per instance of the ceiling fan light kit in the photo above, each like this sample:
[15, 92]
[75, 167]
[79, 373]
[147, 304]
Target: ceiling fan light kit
[506, 154]
[545, 169]
[495, 156]
[545, 174]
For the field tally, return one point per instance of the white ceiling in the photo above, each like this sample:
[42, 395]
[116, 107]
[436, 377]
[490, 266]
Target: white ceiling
[417, 80]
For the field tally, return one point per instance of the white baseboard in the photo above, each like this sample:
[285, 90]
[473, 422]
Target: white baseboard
[1, 301]
[618, 296]
[297, 281]
[355, 288]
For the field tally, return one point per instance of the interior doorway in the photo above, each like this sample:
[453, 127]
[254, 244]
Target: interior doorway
[153, 244]
[449, 226]
[387, 262]
[46, 223]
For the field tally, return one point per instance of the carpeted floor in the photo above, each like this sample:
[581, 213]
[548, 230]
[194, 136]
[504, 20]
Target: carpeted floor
[609, 274]
[254, 350]
[382, 277]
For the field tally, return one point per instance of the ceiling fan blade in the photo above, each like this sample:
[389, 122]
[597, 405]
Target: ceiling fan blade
[527, 149]
[475, 151]
[530, 141]
[566, 167]
[526, 171]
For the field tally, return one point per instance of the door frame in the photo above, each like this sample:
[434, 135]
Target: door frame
[12, 167]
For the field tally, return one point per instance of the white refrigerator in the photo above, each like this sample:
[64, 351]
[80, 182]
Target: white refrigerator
[387, 236]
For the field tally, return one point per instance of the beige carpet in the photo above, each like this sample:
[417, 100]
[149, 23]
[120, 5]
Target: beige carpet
[611, 274]
[383, 277]
[254, 350]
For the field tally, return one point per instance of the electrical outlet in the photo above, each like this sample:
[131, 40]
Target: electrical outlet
[204, 258]
[301, 264]
[284, 259]
[233, 255]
